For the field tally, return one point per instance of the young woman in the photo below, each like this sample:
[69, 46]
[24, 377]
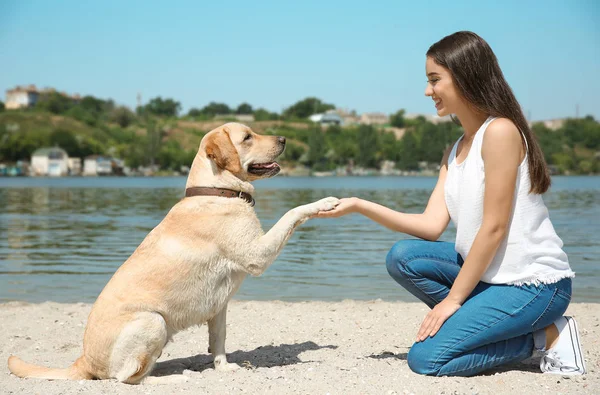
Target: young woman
[499, 292]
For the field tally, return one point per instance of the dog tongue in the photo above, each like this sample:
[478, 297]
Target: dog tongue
[266, 165]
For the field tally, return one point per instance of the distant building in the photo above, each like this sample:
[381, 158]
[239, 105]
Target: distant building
[96, 165]
[74, 166]
[327, 119]
[51, 161]
[348, 117]
[374, 118]
[21, 97]
[28, 96]
[552, 124]
[21, 168]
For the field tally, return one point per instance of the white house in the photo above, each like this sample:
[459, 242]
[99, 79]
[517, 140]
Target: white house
[90, 165]
[52, 161]
[96, 165]
[21, 96]
[327, 119]
[28, 96]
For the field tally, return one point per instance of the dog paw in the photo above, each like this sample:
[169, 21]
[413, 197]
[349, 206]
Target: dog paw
[329, 203]
[227, 367]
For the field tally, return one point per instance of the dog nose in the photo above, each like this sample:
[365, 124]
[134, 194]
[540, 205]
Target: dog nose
[281, 139]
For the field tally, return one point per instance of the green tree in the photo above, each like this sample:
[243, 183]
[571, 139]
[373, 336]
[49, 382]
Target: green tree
[306, 108]
[154, 135]
[565, 161]
[16, 146]
[431, 142]
[293, 152]
[409, 159]
[162, 107]
[341, 144]
[367, 140]
[67, 141]
[244, 108]
[550, 141]
[194, 112]
[397, 119]
[80, 114]
[93, 105]
[317, 149]
[264, 115]
[1, 106]
[54, 102]
[171, 156]
[123, 116]
[389, 147]
[214, 108]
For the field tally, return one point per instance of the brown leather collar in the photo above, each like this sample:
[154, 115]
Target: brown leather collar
[229, 193]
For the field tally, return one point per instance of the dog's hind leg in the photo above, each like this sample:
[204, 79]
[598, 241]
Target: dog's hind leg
[137, 347]
[216, 341]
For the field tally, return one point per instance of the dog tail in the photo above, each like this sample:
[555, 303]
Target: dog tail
[74, 372]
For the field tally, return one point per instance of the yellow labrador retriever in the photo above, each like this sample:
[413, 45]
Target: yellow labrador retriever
[188, 267]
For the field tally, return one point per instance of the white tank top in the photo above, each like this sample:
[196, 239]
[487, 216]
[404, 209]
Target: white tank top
[532, 252]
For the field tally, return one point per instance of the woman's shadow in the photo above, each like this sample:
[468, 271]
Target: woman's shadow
[529, 365]
[261, 357]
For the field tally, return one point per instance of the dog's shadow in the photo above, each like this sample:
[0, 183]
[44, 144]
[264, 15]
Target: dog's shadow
[261, 357]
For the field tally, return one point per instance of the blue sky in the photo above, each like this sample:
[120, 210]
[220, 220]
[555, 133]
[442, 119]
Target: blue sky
[367, 55]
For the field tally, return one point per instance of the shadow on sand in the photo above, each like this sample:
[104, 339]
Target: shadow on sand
[261, 357]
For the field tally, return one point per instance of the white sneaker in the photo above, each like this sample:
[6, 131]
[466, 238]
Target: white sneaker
[566, 357]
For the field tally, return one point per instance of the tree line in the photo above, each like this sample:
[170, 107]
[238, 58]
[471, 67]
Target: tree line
[141, 137]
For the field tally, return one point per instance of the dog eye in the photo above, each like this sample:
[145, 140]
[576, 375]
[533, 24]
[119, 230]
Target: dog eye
[248, 137]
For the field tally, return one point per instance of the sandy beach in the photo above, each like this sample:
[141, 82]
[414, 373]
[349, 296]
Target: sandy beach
[349, 347]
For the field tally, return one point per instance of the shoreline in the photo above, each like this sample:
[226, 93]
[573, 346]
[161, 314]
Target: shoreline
[404, 174]
[309, 347]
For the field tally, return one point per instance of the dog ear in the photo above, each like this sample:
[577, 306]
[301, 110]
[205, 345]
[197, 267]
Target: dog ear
[220, 150]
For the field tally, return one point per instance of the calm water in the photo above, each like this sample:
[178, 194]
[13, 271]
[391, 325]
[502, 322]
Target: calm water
[62, 239]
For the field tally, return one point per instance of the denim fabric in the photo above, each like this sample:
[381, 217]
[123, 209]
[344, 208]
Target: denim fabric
[493, 327]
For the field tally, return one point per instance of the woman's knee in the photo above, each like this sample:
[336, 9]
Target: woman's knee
[421, 360]
[400, 254]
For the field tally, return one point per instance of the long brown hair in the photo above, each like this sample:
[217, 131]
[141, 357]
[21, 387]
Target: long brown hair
[477, 76]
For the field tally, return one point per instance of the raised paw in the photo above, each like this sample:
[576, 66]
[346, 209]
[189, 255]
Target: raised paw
[326, 204]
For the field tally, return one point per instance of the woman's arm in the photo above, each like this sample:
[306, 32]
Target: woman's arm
[429, 225]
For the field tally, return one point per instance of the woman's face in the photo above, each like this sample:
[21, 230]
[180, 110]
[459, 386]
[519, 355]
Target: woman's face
[441, 88]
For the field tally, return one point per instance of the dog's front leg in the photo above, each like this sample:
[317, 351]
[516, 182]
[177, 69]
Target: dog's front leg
[216, 341]
[262, 253]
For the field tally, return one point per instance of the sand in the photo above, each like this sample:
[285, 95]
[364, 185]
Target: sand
[349, 347]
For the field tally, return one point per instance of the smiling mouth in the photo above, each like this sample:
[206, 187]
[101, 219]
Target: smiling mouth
[270, 168]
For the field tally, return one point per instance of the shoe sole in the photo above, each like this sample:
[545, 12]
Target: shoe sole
[576, 343]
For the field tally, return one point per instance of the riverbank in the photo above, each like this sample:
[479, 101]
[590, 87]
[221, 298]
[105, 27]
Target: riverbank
[347, 347]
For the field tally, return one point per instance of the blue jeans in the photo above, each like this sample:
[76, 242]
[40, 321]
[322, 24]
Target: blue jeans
[494, 326]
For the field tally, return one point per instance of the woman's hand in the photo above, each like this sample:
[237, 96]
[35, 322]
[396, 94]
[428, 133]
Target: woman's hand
[346, 206]
[436, 317]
